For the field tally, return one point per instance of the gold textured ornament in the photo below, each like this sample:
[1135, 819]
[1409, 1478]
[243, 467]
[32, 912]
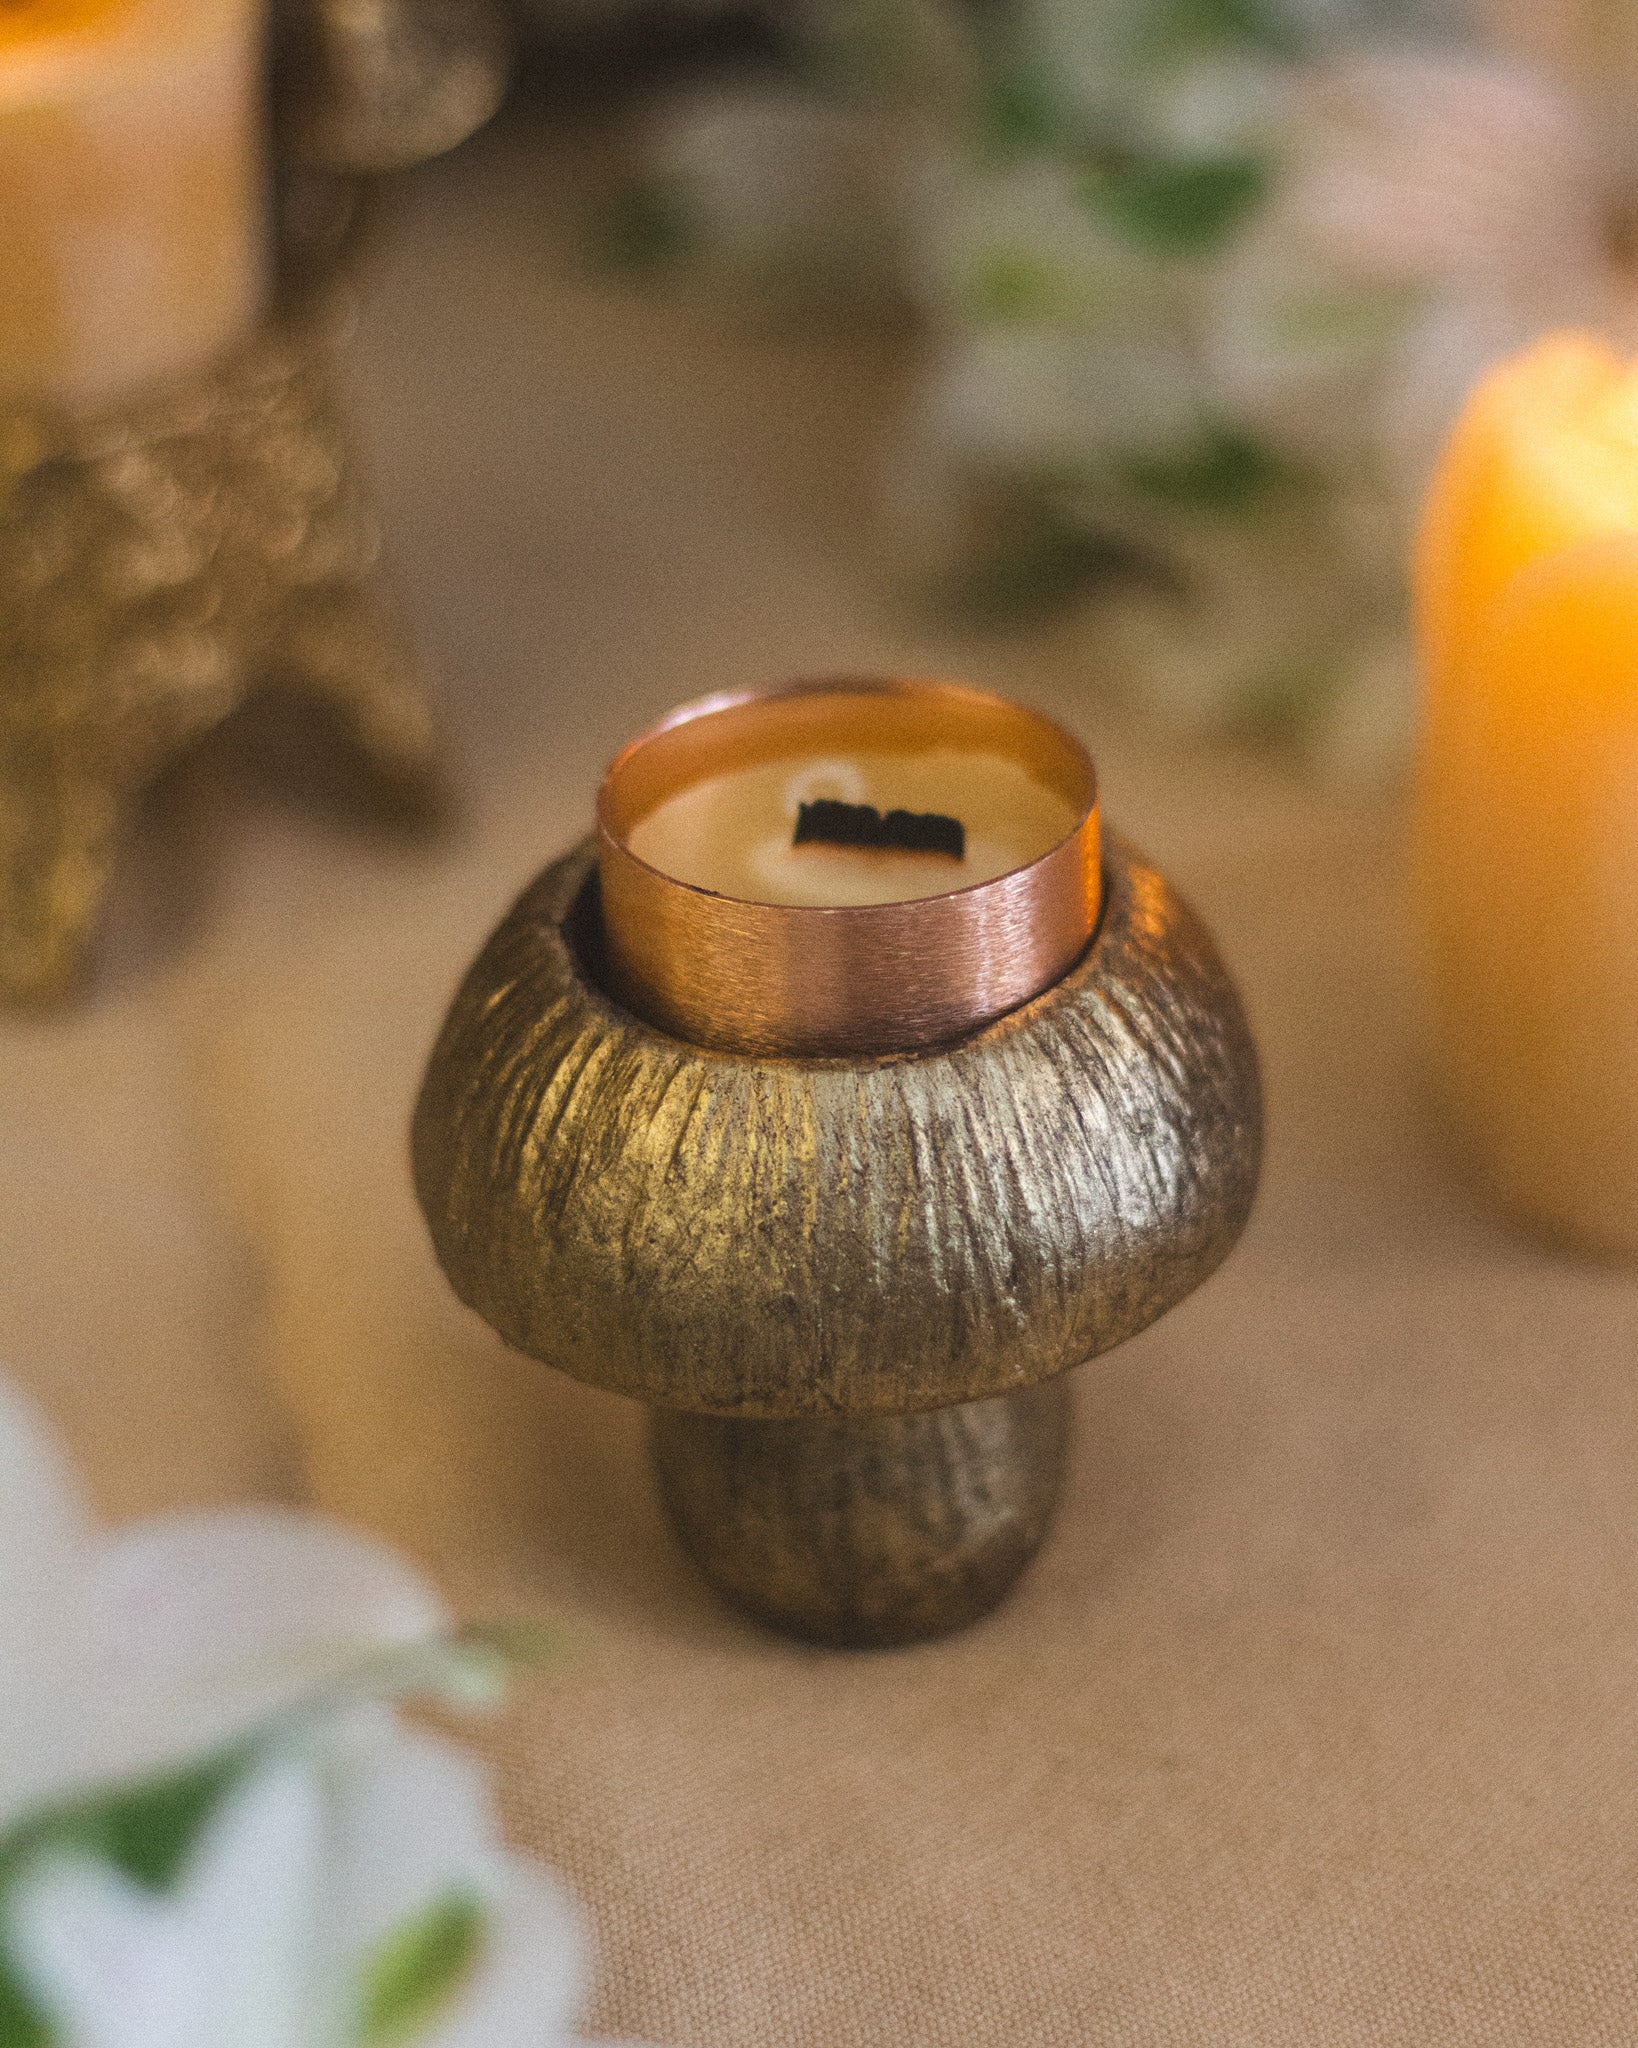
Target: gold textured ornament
[848, 1286]
[156, 568]
[165, 559]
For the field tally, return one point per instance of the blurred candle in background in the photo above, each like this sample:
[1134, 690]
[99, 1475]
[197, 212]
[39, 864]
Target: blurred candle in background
[1527, 853]
[133, 207]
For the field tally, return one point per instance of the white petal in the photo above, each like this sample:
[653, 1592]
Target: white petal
[1030, 400]
[45, 1545]
[1220, 105]
[1445, 167]
[231, 1956]
[414, 1822]
[531, 1980]
[211, 1624]
[44, 1521]
[96, 1954]
[1294, 343]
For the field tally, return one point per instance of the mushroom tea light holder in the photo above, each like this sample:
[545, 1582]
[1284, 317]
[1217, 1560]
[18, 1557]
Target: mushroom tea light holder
[842, 1192]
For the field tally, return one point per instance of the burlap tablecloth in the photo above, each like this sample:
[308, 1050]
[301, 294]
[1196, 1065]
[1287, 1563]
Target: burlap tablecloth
[1316, 1723]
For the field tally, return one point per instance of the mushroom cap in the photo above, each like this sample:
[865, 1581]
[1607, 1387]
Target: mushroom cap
[770, 1237]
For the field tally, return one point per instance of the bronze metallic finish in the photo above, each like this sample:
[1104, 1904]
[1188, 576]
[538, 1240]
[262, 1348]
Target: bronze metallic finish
[166, 559]
[863, 1531]
[822, 1237]
[818, 1260]
[836, 1245]
[372, 86]
[877, 978]
[155, 569]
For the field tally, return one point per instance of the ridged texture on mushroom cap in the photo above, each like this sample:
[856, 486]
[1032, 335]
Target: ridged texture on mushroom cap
[779, 1237]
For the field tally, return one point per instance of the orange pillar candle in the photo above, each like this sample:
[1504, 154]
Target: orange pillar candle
[1527, 840]
[133, 209]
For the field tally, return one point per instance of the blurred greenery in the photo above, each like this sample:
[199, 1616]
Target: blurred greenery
[1183, 205]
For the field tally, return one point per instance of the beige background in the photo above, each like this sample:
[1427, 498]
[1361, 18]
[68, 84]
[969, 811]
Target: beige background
[1318, 1721]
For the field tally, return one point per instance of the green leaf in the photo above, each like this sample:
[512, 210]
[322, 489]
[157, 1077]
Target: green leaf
[1182, 205]
[1180, 30]
[145, 1830]
[521, 1642]
[1225, 470]
[1013, 285]
[148, 1830]
[1277, 708]
[645, 227]
[1040, 563]
[1017, 117]
[419, 1968]
[21, 2023]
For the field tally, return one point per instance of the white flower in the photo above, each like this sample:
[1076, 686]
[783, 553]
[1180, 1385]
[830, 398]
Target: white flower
[1167, 75]
[131, 1651]
[234, 1949]
[1434, 212]
[1017, 245]
[788, 189]
[1198, 282]
[1035, 402]
[330, 1900]
[1056, 344]
[214, 1832]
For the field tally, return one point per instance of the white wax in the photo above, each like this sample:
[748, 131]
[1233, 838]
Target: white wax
[134, 221]
[732, 833]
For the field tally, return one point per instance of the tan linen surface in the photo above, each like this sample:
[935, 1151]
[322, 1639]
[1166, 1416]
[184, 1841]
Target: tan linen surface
[1318, 1720]
[129, 1307]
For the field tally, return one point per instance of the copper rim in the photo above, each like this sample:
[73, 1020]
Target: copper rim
[775, 978]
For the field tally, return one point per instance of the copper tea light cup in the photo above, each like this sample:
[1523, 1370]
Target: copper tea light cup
[798, 980]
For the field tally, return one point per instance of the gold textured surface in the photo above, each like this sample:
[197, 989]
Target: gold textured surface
[768, 1237]
[164, 560]
[156, 567]
[383, 84]
[867, 1531]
